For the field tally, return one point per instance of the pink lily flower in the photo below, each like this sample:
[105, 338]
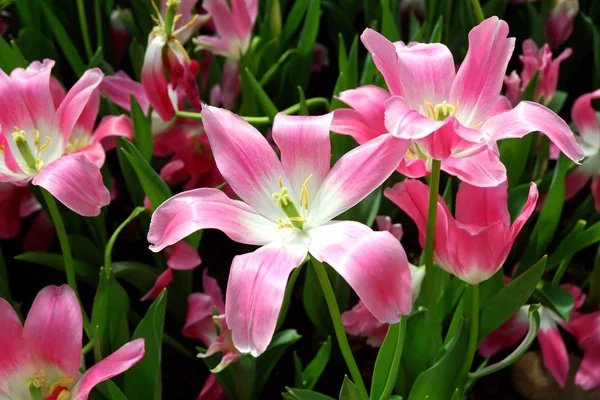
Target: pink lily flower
[35, 150]
[584, 117]
[366, 120]
[287, 208]
[234, 27]
[533, 60]
[554, 350]
[475, 244]
[559, 22]
[586, 328]
[167, 52]
[45, 353]
[449, 113]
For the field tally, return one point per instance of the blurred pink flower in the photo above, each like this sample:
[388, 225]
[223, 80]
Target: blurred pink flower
[586, 328]
[16, 202]
[46, 352]
[320, 57]
[559, 23]
[35, 151]
[212, 390]
[119, 35]
[287, 209]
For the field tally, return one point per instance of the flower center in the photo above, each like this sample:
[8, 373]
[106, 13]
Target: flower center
[284, 200]
[59, 390]
[75, 143]
[33, 162]
[440, 111]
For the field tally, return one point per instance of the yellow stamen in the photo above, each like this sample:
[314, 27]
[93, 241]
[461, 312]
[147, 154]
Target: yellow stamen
[192, 22]
[280, 182]
[45, 145]
[304, 193]
[178, 16]
[155, 7]
[2, 150]
[18, 135]
[156, 21]
[64, 395]
[36, 141]
[39, 164]
[64, 382]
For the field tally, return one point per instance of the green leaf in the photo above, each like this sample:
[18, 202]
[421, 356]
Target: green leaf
[388, 361]
[34, 46]
[348, 75]
[534, 326]
[154, 187]
[303, 394]
[143, 381]
[557, 101]
[275, 67]
[294, 19]
[142, 131]
[439, 381]
[574, 243]
[55, 261]
[114, 392]
[63, 39]
[303, 109]
[308, 35]
[595, 45]
[85, 250]
[508, 300]
[388, 23]
[436, 33]
[287, 297]
[136, 55]
[263, 98]
[311, 374]
[422, 352]
[560, 300]
[366, 211]
[8, 58]
[268, 360]
[350, 391]
[141, 276]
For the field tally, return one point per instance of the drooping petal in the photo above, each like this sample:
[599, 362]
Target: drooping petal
[384, 223]
[529, 117]
[89, 115]
[305, 148]
[554, 352]
[483, 169]
[354, 176]
[368, 102]
[110, 127]
[206, 208]
[244, 16]
[154, 81]
[199, 319]
[119, 88]
[77, 98]
[211, 287]
[95, 153]
[426, 72]
[479, 79]
[385, 58]
[213, 44]
[373, 263]
[230, 83]
[360, 322]
[116, 363]
[255, 291]
[482, 206]
[12, 347]
[576, 180]
[449, 141]
[528, 209]
[15, 111]
[586, 328]
[507, 336]
[584, 116]
[212, 390]
[183, 256]
[245, 159]
[350, 122]
[588, 374]
[162, 281]
[223, 19]
[76, 182]
[53, 329]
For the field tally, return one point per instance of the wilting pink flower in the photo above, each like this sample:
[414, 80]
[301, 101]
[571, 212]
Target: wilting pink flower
[35, 135]
[287, 209]
[119, 35]
[554, 351]
[586, 328]
[234, 27]
[449, 114]
[559, 23]
[168, 53]
[534, 60]
[475, 244]
[46, 352]
[366, 120]
[584, 117]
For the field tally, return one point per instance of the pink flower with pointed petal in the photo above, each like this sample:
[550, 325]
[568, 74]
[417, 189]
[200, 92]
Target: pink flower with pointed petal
[448, 113]
[287, 208]
[586, 328]
[212, 390]
[475, 244]
[534, 60]
[366, 120]
[34, 137]
[559, 23]
[234, 27]
[46, 352]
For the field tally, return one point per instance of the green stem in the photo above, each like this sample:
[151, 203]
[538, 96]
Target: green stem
[478, 11]
[474, 329]
[170, 18]
[35, 392]
[87, 348]
[99, 30]
[594, 296]
[84, 29]
[340, 333]
[430, 293]
[111, 242]
[66, 252]
[389, 385]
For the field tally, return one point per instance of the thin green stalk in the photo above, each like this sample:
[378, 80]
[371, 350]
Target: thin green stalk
[340, 333]
[66, 252]
[474, 329]
[594, 296]
[389, 385]
[434, 185]
[111, 242]
[562, 268]
[170, 17]
[447, 19]
[99, 30]
[35, 391]
[84, 29]
[478, 11]
[87, 348]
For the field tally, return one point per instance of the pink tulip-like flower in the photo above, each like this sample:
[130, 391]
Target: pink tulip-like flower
[366, 120]
[586, 328]
[234, 27]
[212, 390]
[44, 355]
[584, 117]
[554, 350]
[35, 136]
[287, 208]
[450, 114]
[475, 244]
[119, 35]
[534, 60]
[165, 51]
[559, 22]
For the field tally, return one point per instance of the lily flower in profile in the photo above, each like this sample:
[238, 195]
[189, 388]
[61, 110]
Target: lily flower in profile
[35, 136]
[287, 208]
[41, 359]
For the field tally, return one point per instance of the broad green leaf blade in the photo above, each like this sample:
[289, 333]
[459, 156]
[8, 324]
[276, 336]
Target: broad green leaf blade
[388, 361]
[55, 261]
[350, 391]
[268, 360]
[303, 394]
[140, 275]
[560, 300]
[572, 244]
[143, 381]
[142, 131]
[263, 98]
[315, 368]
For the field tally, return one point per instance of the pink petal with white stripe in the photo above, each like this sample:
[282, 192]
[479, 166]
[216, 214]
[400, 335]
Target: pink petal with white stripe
[483, 169]
[153, 78]
[15, 353]
[119, 88]
[554, 351]
[584, 116]
[385, 58]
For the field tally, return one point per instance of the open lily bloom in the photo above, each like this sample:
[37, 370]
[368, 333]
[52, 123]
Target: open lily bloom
[366, 120]
[534, 60]
[448, 113]
[35, 136]
[554, 350]
[584, 117]
[475, 244]
[287, 209]
[44, 355]
[586, 328]
[234, 27]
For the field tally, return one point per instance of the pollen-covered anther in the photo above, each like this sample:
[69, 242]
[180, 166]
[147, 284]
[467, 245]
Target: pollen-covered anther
[440, 111]
[18, 135]
[304, 198]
